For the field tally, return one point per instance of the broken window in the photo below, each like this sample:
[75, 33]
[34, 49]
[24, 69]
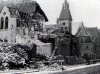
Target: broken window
[6, 23]
[2, 22]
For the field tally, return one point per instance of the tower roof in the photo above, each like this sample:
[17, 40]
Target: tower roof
[65, 12]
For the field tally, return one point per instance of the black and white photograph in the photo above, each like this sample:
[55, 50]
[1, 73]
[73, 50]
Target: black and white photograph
[49, 36]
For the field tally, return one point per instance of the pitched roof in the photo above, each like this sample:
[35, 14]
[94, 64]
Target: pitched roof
[76, 27]
[93, 31]
[1, 7]
[65, 12]
[30, 7]
[84, 32]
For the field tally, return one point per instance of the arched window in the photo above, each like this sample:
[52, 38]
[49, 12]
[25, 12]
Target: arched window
[6, 23]
[2, 22]
[18, 23]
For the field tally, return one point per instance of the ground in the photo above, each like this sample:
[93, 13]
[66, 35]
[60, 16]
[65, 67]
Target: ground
[68, 68]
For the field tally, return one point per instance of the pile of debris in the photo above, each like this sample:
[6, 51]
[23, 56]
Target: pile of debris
[11, 54]
[52, 67]
[18, 56]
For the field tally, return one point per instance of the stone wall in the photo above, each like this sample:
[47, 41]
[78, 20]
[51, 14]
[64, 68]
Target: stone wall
[87, 48]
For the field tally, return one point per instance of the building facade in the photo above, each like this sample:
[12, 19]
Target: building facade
[86, 43]
[63, 41]
[7, 26]
[65, 18]
[20, 20]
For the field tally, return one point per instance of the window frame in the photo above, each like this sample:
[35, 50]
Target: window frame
[6, 22]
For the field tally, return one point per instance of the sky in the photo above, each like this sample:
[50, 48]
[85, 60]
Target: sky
[87, 11]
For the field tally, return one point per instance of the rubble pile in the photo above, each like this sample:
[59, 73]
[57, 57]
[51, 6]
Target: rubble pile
[74, 60]
[12, 54]
[52, 67]
[19, 56]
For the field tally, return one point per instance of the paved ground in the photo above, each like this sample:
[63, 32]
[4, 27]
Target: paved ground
[31, 71]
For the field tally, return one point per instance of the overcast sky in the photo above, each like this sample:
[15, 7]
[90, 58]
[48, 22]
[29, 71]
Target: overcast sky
[87, 11]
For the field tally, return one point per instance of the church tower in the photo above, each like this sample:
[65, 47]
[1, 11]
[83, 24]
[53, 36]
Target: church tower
[65, 17]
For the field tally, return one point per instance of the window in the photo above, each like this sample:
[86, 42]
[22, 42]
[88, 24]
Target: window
[4, 13]
[17, 31]
[5, 40]
[6, 23]
[18, 23]
[66, 29]
[63, 23]
[11, 27]
[81, 40]
[63, 45]
[2, 22]
[23, 31]
[86, 47]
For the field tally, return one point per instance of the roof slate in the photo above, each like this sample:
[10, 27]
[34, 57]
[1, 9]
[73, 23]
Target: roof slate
[93, 31]
[28, 8]
[84, 32]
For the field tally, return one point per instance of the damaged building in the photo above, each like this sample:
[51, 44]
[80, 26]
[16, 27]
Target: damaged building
[71, 38]
[19, 21]
[61, 33]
